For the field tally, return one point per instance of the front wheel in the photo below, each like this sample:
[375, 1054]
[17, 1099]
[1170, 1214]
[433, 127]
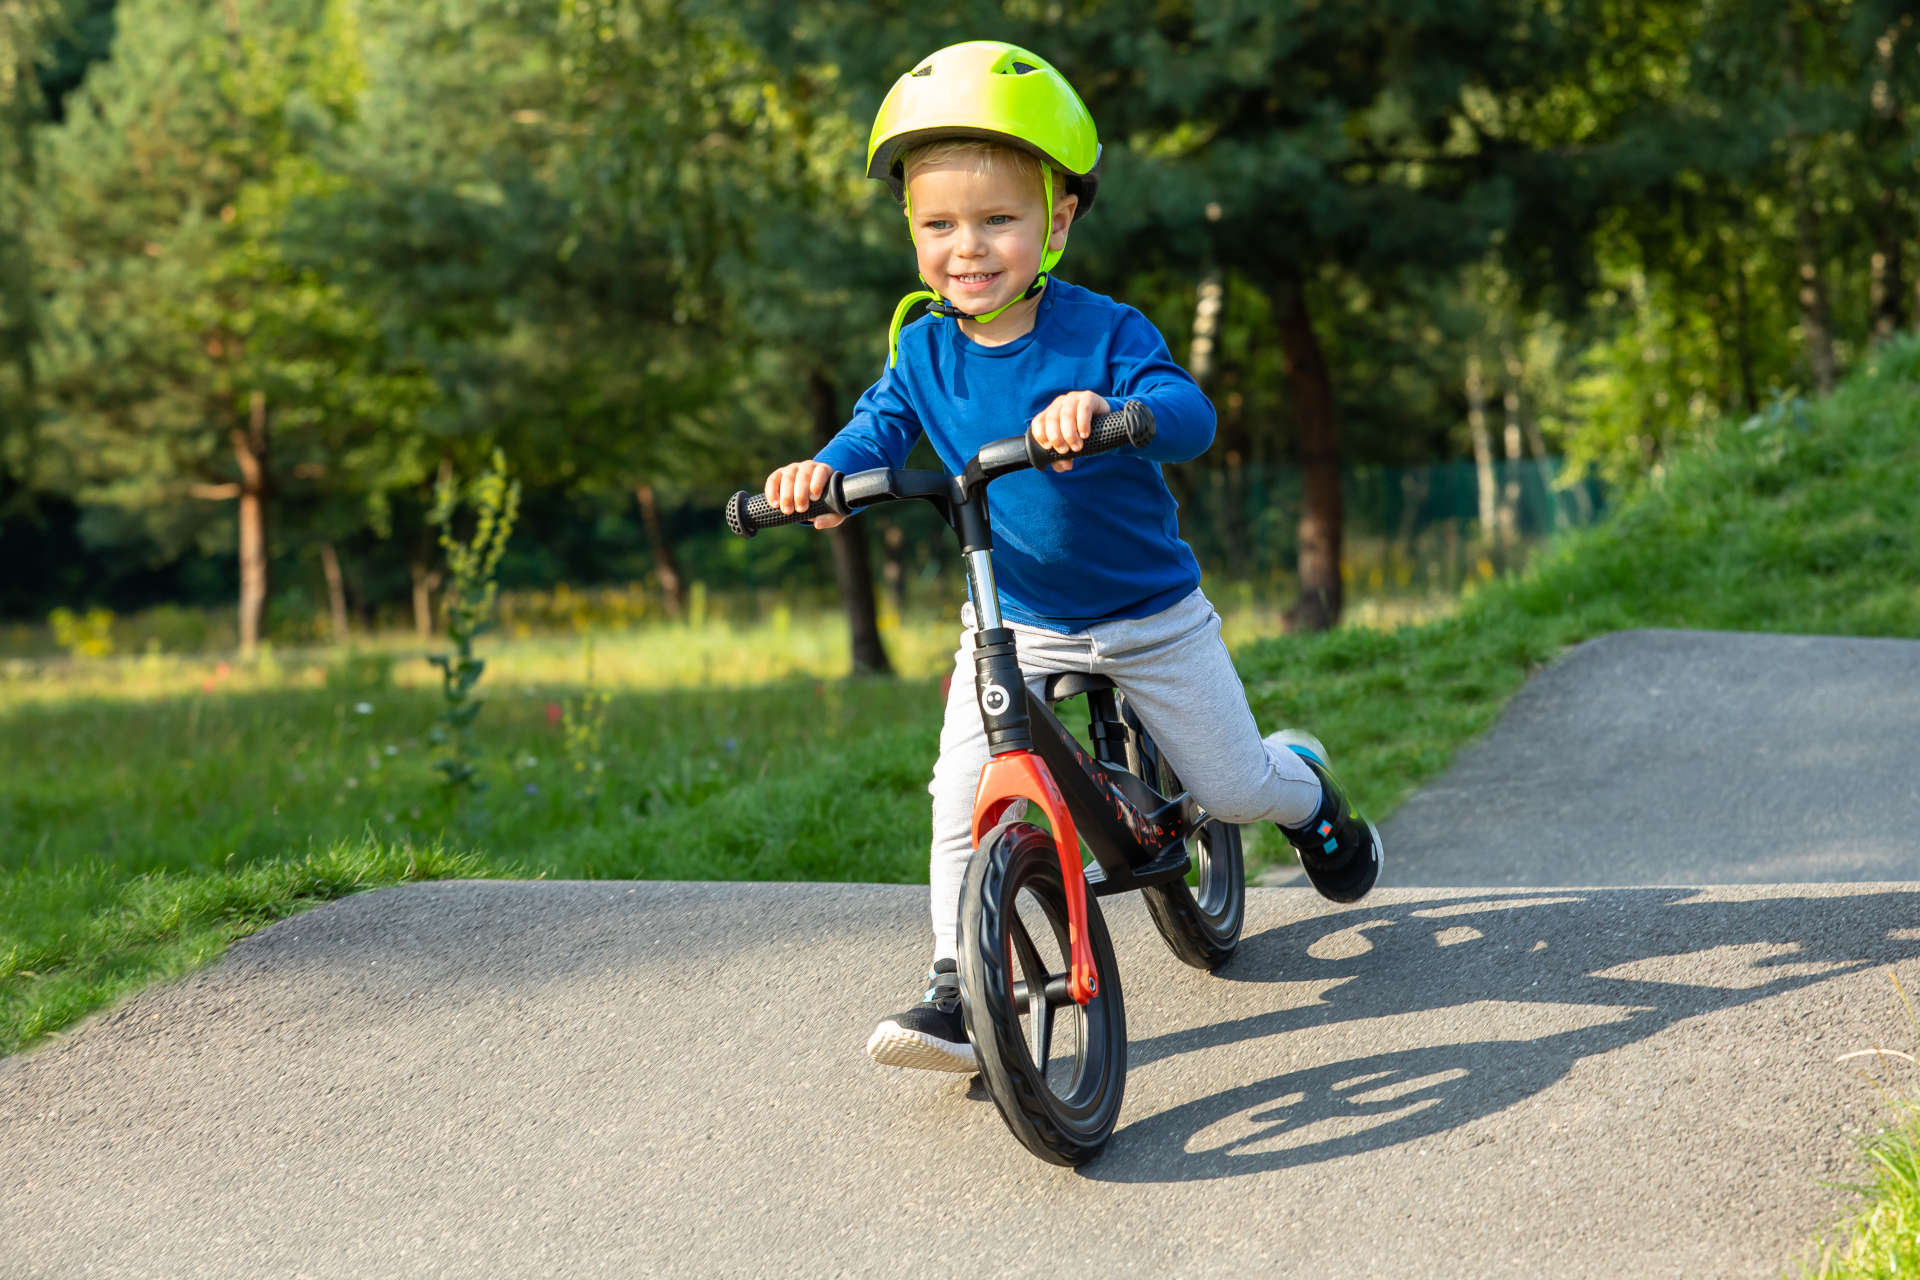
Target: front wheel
[1055, 1069]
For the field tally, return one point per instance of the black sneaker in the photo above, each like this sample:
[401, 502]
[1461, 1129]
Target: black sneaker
[1339, 850]
[933, 1034]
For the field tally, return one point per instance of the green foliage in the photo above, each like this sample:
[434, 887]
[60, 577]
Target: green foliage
[629, 240]
[88, 635]
[583, 731]
[469, 602]
[263, 797]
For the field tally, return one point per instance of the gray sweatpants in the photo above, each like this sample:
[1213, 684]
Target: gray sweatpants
[1177, 675]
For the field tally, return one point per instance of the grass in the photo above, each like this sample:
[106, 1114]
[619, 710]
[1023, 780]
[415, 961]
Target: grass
[154, 808]
[1881, 1239]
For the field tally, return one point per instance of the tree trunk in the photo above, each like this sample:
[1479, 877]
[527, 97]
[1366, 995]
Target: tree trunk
[852, 567]
[250, 452]
[1510, 490]
[673, 588]
[19, 303]
[1815, 316]
[336, 591]
[1743, 341]
[1816, 323]
[1887, 288]
[425, 580]
[1484, 482]
[1537, 446]
[1209, 307]
[895, 541]
[1320, 515]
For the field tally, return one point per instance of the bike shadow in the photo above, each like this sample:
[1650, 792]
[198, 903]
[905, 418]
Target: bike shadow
[1623, 963]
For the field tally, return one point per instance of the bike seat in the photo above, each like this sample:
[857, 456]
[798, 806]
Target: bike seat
[1068, 684]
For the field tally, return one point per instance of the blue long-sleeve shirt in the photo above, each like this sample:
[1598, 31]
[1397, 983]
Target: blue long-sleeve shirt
[1071, 548]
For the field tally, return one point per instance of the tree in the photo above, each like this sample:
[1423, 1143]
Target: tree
[186, 357]
[1302, 147]
[737, 165]
[26, 32]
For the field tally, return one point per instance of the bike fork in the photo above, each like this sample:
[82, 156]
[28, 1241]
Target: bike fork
[1015, 773]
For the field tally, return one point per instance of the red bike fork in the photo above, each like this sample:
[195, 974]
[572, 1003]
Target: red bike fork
[1021, 775]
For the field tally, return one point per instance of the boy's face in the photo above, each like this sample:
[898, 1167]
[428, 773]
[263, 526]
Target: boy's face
[979, 229]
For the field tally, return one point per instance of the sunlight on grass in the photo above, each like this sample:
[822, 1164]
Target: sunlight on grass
[661, 656]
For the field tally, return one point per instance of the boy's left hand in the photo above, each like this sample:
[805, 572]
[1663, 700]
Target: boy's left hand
[1064, 425]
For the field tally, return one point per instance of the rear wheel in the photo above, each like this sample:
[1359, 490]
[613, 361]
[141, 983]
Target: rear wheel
[1199, 917]
[1055, 1069]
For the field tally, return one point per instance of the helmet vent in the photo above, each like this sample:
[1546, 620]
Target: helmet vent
[1022, 68]
[924, 71]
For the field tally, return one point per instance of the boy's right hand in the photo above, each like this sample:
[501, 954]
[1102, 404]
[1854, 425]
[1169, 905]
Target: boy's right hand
[797, 486]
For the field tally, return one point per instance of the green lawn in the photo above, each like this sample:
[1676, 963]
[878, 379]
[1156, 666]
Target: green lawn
[152, 810]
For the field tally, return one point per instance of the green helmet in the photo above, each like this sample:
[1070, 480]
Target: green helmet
[992, 90]
[997, 92]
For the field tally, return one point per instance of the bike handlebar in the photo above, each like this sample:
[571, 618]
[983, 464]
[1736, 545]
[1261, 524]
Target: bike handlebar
[1129, 425]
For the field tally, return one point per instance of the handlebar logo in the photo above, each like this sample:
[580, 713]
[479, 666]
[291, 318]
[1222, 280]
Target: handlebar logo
[994, 700]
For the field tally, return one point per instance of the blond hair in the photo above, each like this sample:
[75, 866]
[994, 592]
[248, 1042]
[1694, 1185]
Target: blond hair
[980, 155]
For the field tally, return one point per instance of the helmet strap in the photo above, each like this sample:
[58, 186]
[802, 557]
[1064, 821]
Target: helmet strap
[941, 307]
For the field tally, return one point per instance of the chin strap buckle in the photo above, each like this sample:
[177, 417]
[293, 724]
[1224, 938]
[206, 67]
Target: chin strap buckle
[939, 306]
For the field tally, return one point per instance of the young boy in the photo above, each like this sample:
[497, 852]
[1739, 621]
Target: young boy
[992, 156]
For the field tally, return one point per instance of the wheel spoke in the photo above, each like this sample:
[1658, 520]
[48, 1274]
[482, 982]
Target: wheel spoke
[1041, 1040]
[1032, 967]
[1039, 1009]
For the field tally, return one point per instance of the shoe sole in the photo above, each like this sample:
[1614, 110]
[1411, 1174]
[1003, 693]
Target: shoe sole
[1379, 858]
[892, 1045]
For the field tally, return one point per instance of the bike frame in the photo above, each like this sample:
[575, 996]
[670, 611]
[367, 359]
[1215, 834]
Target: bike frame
[1137, 836]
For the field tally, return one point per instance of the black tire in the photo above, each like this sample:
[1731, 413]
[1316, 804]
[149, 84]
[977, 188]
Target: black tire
[1199, 917]
[1013, 930]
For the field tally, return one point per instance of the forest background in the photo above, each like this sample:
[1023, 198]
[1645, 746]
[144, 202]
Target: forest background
[268, 268]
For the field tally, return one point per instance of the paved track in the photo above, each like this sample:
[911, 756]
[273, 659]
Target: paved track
[638, 1079]
[1685, 757]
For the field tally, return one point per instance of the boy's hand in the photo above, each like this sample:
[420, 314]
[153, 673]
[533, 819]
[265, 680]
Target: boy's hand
[1064, 425]
[796, 486]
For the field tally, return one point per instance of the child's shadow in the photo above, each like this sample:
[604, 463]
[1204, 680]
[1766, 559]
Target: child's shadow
[1624, 961]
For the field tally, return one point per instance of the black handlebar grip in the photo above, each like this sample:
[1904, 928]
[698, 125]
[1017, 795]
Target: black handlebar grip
[749, 513]
[1130, 424]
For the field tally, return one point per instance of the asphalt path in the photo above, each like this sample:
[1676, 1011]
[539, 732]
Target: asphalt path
[1682, 757]
[617, 1079]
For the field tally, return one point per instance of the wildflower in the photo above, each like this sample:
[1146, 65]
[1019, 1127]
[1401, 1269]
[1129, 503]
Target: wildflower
[730, 744]
[391, 750]
[363, 708]
[553, 713]
[352, 783]
[532, 790]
